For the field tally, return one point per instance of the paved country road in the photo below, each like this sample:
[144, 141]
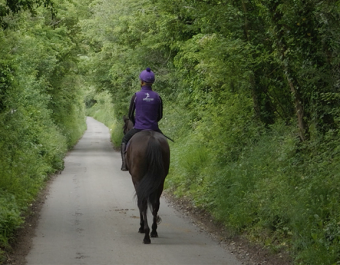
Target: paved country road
[90, 216]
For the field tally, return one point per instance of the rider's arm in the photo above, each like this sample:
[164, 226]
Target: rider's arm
[160, 110]
[132, 109]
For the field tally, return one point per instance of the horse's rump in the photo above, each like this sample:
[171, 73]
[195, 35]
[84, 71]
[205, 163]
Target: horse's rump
[148, 157]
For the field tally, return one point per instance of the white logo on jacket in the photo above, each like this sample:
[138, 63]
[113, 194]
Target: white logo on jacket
[147, 98]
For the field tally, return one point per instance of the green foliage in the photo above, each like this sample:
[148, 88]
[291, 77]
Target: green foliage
[188, 162]
[286, 199]
[251, 96]
[41, 107]
[235, 78]
[121, 49]
[100, 107]
[15, 6]
[9, 217]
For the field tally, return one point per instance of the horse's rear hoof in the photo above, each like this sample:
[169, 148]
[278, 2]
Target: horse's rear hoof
[154, 234]
[146, 241]
[141, 230]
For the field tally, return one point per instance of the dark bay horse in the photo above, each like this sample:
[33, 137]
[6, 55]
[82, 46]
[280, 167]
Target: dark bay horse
[148, 160]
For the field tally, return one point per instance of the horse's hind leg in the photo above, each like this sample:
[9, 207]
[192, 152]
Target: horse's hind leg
[144, 228]
[141, 228]
[156, 218]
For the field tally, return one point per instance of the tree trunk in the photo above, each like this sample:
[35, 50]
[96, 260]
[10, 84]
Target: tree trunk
[303, 129]
[276, 16]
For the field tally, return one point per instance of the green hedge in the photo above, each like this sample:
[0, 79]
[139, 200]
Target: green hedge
[41, 109]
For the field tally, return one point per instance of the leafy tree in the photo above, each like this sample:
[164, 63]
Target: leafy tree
[41, 102]
[15, 6]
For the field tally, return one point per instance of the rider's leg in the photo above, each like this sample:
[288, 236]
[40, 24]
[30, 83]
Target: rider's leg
[122, 152]
[125, 140]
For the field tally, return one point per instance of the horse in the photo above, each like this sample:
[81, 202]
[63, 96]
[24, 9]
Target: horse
[148, 161]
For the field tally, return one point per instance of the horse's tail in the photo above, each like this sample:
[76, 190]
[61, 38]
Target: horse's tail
[153, 180]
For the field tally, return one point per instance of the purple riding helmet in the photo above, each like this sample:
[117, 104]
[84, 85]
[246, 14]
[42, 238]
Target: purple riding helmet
[147, 76]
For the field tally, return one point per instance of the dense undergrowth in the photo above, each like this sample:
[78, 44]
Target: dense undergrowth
[260, 181]
[41, 108]
[279, 193]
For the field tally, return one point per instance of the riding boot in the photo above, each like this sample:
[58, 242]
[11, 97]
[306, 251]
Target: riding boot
[122, 151]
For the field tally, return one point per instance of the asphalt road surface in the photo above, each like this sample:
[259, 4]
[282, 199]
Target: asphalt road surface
[90, 216]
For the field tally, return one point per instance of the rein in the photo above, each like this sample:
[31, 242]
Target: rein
[168, 138]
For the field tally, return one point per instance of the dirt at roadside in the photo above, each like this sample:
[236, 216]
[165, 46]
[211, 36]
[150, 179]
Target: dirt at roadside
[245, 251]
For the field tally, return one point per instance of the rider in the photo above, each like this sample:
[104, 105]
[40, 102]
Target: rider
[149, 110]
